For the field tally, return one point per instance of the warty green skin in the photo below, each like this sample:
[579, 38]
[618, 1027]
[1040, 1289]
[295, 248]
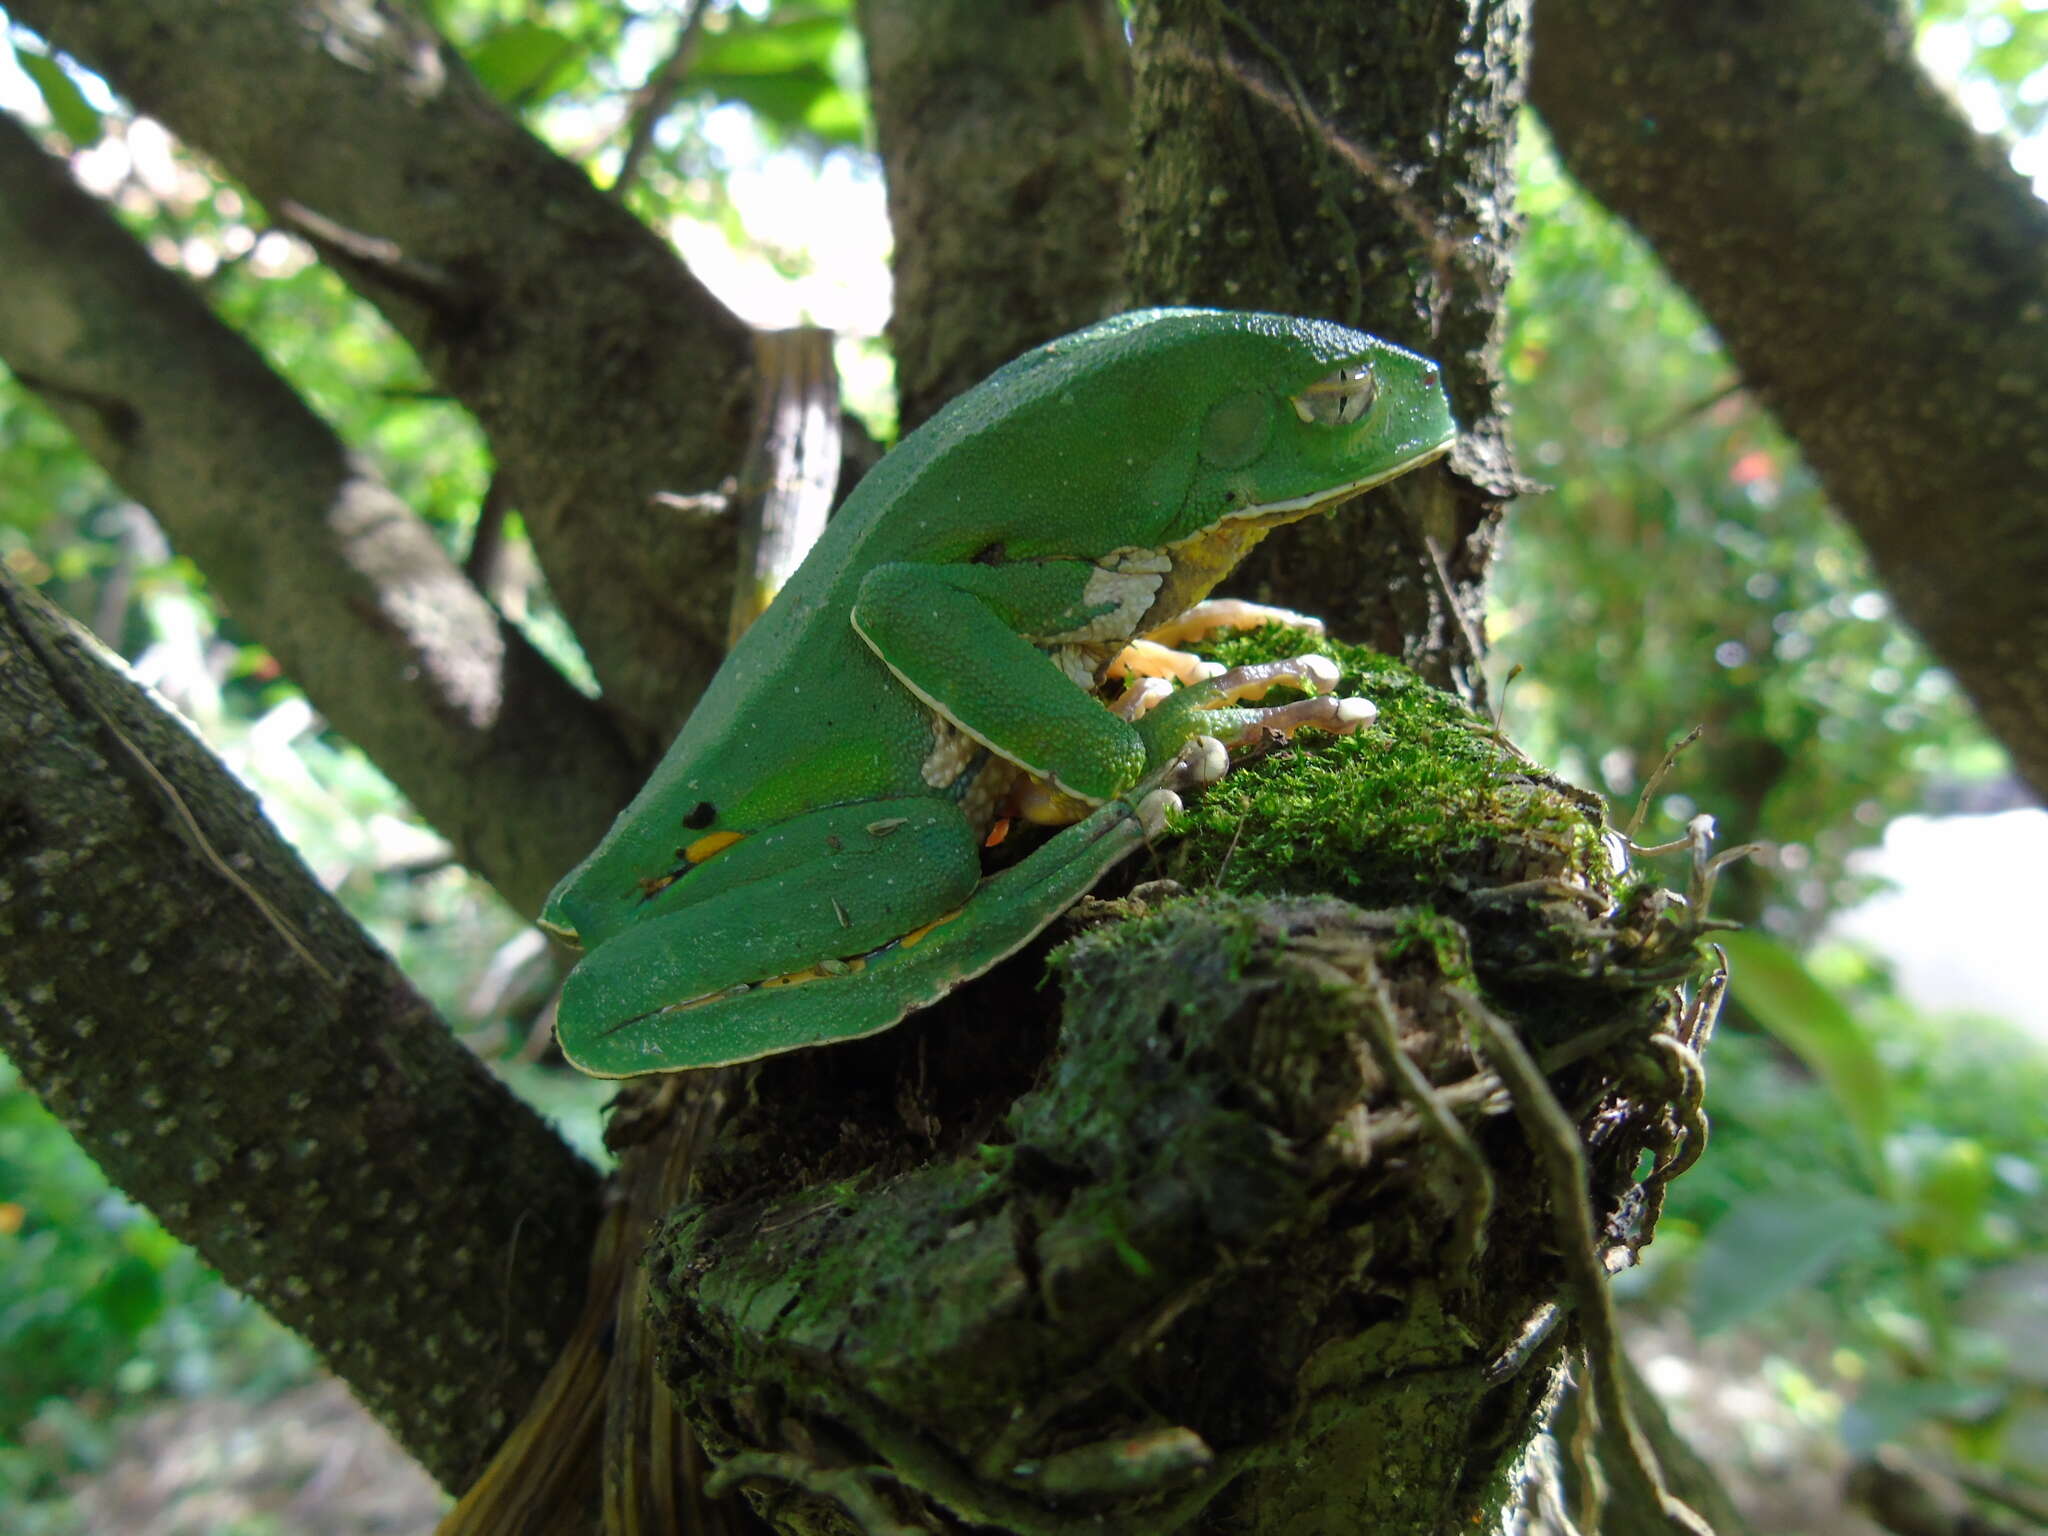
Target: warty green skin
[940, 632]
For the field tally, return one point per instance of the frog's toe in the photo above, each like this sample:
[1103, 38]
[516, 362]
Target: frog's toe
[1203, 760]
[1340, 717]
[1154, 808]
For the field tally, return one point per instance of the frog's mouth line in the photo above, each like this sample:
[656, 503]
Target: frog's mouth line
[1301, 506]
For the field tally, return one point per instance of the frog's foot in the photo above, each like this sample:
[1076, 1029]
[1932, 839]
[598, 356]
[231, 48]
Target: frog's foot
[1203, 760]
[1221, 613]
[1212, 707]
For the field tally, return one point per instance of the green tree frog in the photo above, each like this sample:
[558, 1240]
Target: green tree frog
[805, 865]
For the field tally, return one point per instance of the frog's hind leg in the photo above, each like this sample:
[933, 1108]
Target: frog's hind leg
[1005, 912]
[882, 870]
[867, 993]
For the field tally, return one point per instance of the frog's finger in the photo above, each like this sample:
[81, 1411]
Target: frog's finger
[1220, 613]
[1149, 659]
[1211, 706]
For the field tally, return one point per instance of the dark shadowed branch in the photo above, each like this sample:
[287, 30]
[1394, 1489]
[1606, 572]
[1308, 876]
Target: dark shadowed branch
[1875, 267]
[1378, 192]
[301, 539]
[1004, 131]
[601, 371]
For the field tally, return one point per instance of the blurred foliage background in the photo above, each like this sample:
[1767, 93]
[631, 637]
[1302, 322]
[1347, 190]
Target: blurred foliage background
[1862, 1256]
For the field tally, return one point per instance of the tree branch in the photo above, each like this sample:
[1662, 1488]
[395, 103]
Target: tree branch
[238, 1055]
[1004, 132]
[1901, 332]
[301, 539]
[601, 370]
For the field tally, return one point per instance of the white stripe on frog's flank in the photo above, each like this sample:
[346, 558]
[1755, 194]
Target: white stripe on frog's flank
[1123, 584]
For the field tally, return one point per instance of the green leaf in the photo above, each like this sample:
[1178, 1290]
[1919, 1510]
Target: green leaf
[1774, 984]
[1769, 1246]
[1888, 1410]
[785, 99]
[129, 1296]
[840, 116]
[1950, 1194]
[772, 48]
[525, 61]
[75, 117]
[787, 71]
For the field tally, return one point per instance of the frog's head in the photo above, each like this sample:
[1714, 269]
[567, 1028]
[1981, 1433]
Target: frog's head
[1306, 417]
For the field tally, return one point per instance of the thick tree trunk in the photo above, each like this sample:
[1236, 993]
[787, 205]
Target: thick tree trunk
[1352, 162]
[237, 1055]
[1246, 1241]
[1003, 132]
[1876, 269]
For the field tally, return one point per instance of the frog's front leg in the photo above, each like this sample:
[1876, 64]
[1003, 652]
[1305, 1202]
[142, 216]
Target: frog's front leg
[1167, 716]
[798, 898]
[987, 647]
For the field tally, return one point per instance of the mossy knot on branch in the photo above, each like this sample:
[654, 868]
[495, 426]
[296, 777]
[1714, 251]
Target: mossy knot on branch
[1253, 1243]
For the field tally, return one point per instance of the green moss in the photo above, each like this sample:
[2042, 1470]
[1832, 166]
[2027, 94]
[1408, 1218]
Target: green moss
[1427, 798]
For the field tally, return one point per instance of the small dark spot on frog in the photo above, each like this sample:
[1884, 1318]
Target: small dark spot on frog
[832, 841]
[989, 554]
[702, 814]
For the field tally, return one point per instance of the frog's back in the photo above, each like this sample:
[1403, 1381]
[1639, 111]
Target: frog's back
[1044, 454]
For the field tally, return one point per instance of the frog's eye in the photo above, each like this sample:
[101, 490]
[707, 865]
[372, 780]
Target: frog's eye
[1339, 400]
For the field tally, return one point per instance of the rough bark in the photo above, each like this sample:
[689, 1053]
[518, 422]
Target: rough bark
[1877, 271]
[1002, 130]
[236, 1054]
[1352, 162]
[301, 540]
[601, 371]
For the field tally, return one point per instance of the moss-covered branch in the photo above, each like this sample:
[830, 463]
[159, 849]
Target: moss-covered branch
[1194, 1259]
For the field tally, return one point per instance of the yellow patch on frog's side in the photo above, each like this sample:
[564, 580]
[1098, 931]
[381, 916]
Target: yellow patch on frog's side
[709, 844]
[817, 972]
[1202, 560]
[917, 934]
